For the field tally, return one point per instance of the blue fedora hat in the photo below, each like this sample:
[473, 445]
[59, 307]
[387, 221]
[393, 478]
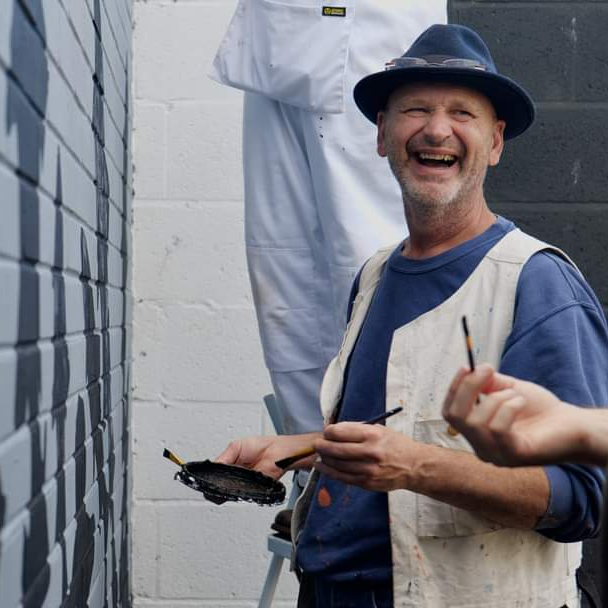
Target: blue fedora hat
[454, 54]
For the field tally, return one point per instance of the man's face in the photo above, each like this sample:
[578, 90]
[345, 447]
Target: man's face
[440, 139]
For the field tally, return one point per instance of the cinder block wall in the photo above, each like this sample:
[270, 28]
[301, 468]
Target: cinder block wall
[198, 376]
[64, 303]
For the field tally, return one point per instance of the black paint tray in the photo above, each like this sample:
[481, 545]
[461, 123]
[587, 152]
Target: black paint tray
[224, 482]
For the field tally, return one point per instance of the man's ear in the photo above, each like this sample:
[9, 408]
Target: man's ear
[498, 142]
[381, 124]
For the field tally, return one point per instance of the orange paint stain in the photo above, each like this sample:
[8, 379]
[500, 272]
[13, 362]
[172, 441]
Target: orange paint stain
[324, 497]
[420, 559]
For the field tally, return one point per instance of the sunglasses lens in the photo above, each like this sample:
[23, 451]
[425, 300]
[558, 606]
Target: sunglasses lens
[411, 62]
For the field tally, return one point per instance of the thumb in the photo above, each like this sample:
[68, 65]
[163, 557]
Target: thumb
[231, 454]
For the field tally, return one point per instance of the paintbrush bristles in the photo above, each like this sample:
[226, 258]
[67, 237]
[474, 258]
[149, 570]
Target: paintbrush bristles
[172, 457]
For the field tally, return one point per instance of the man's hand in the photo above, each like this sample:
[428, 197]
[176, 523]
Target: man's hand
[377, 458]
[260, 453]
[517, 422]
[370, 456]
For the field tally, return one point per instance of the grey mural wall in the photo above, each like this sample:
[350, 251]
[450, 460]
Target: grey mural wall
[64, 302]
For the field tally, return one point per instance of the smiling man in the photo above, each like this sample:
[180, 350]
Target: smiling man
[404, 514]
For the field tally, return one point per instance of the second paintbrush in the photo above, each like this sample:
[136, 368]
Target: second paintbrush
[285, 462]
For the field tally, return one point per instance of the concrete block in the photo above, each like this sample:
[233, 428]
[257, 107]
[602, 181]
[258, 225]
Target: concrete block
[149, 145]
[184, 236]
[115, 227]
[16, 457]
[193, 432]
[23, 130]
[56, 575]
[221, 550]
[46, 303]
[24, 52]
[68, 118]
[69, 183]
[12, 538]
[211, 356]
[167, 41]
[66, 50]
[147, 351]
[80, 18]
[10, 245]
[591, 57]
[204, 152]
[560, 159]
[545, 32]
[579, 229]
[9, 301]
[144, 532]
[8, 381]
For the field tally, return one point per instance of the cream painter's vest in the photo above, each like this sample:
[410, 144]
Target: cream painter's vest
[444, 556]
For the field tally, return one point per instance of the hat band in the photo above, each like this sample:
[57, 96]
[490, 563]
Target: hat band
[433, 62]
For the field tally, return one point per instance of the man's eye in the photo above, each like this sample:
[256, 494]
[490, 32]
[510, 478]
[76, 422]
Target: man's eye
[462, 114]
[415, 111]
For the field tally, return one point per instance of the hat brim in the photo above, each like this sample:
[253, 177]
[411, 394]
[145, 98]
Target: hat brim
[511, 102]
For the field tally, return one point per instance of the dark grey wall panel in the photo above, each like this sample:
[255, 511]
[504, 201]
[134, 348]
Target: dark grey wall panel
[65, 327]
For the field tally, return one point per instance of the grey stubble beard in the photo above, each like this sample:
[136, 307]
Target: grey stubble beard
[428, 208]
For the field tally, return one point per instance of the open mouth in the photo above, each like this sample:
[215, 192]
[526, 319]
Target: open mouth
[435, 160]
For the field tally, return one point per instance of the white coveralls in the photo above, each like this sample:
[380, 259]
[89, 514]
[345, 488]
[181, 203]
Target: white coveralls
[318, 199]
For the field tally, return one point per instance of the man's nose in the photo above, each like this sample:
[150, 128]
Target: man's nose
[438, 128]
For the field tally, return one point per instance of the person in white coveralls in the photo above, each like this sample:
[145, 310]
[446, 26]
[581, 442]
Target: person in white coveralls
[318, 200]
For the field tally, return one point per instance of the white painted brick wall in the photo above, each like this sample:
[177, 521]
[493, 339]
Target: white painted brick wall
[198, 372]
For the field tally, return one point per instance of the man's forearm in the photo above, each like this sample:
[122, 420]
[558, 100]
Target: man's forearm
[517, 498]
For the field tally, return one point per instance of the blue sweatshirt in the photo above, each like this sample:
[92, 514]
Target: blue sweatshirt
[559, 339]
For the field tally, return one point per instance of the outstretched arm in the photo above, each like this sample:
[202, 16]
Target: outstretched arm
[521, 423]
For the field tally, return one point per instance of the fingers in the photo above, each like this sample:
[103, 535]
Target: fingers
[490, 406]
[464, 392]
[231, 454]
[449, 398]
[506, 414]
[349, 432]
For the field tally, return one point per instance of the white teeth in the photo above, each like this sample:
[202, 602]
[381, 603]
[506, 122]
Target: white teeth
[445, 157]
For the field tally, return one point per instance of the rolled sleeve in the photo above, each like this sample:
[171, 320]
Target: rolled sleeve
[575, 503]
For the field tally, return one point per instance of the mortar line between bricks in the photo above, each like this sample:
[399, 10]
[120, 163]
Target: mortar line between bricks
[188, 403]
[170, 203]
[184, 502]
[572, 105]
[456, 4]
[548, 205]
